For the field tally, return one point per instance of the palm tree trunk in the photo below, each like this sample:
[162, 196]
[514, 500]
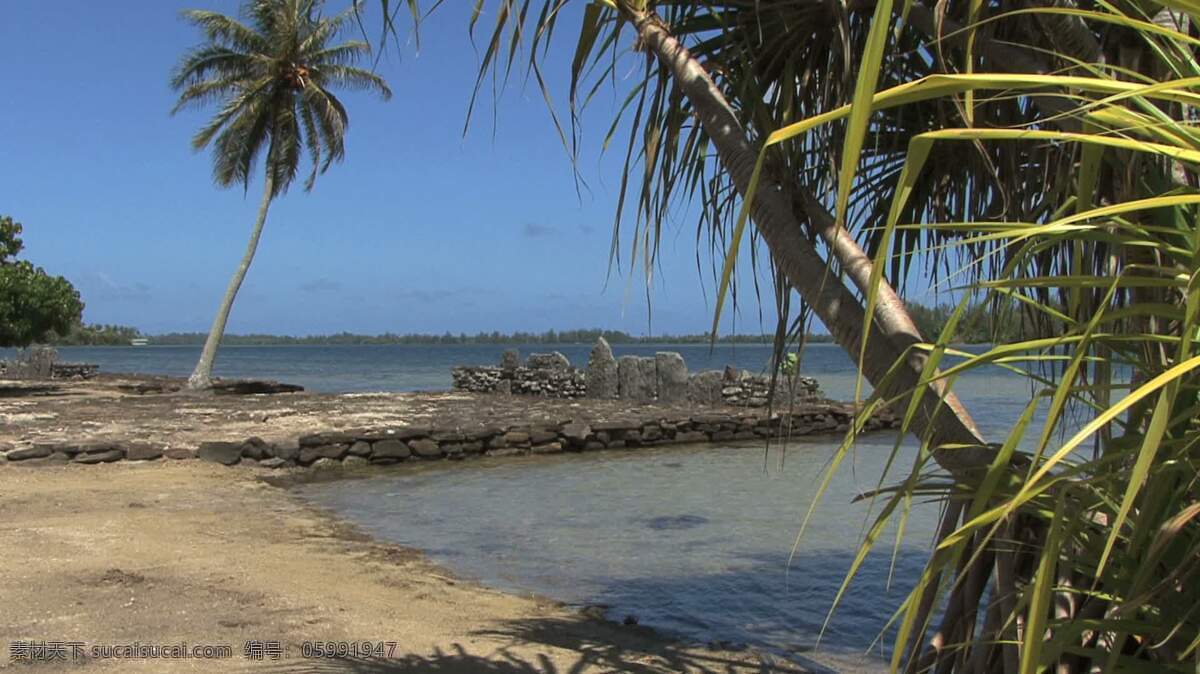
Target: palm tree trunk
[942, 417]
[202, 376]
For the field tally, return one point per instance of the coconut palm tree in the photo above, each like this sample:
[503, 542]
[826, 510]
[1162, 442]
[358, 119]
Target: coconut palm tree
[271, 79]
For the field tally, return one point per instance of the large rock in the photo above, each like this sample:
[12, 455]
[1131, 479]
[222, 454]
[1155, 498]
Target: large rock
[105, 456]
[390, 449]
[143, 451]
[548, 361]
[602, 371]
[704, 388]
[671, 376]
[227, 453]
[636, 378]
[510, 359]
[425, 448]
[335, 452]
[34, 452]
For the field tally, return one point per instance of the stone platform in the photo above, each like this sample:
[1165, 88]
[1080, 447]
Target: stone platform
[115, 418]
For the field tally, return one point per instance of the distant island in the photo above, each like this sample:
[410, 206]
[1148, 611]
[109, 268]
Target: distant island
[114, 335]
[977, 326]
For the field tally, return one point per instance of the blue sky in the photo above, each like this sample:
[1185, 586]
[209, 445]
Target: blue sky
[420, 230]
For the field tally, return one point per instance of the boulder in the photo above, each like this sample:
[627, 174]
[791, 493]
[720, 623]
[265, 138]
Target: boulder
[326, 438]
[179, 453]
[390, 449]
[548, 361]
[104, 456]
[577, 431]
[336, 452]
[540, 436]
[602, 371]
[510, 359]
[326, 463]
[288, 449]
[255, 448]
[273, 462]
[425, 448]
[34, 452]
[360, 448]
[636, 378]
[227, 453]
[143, 451]
[516, 438]
[704, 388]
[671, 377]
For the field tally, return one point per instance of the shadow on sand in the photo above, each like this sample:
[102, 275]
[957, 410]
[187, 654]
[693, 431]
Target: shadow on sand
[583, 644]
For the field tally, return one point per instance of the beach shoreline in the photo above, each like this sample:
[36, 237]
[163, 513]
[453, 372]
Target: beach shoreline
[197, 553]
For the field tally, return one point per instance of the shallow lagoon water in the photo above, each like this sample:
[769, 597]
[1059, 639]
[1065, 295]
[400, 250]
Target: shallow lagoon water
[693, 541]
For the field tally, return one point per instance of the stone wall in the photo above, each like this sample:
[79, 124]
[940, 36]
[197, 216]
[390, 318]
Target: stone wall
[663, 377]
[545, 374]
[385, 446]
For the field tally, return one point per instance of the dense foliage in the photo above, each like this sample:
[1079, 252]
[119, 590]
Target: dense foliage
[95, 335]
[33, 304]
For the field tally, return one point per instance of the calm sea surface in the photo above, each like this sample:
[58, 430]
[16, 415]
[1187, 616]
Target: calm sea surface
[693, 541]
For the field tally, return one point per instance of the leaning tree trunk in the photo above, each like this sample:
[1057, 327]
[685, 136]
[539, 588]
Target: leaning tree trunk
[202, 376]
[942, 417]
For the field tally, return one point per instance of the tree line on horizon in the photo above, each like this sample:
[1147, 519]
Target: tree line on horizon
[976, 327]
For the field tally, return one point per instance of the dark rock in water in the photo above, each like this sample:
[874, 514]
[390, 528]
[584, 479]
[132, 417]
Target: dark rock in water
[704, 388]
[671, 376]
[34, 452]
[227, 453]
[425, 448]
[630, 620]
[510, 359]
[676, 522]
[105, 456]
[602, 371]
[143, 451]
[548, 361]
[252, 387]
[636, 378]
[390, 449]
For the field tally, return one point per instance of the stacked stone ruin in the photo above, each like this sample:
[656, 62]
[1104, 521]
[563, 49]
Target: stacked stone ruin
[663, 377]
[386, 446]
